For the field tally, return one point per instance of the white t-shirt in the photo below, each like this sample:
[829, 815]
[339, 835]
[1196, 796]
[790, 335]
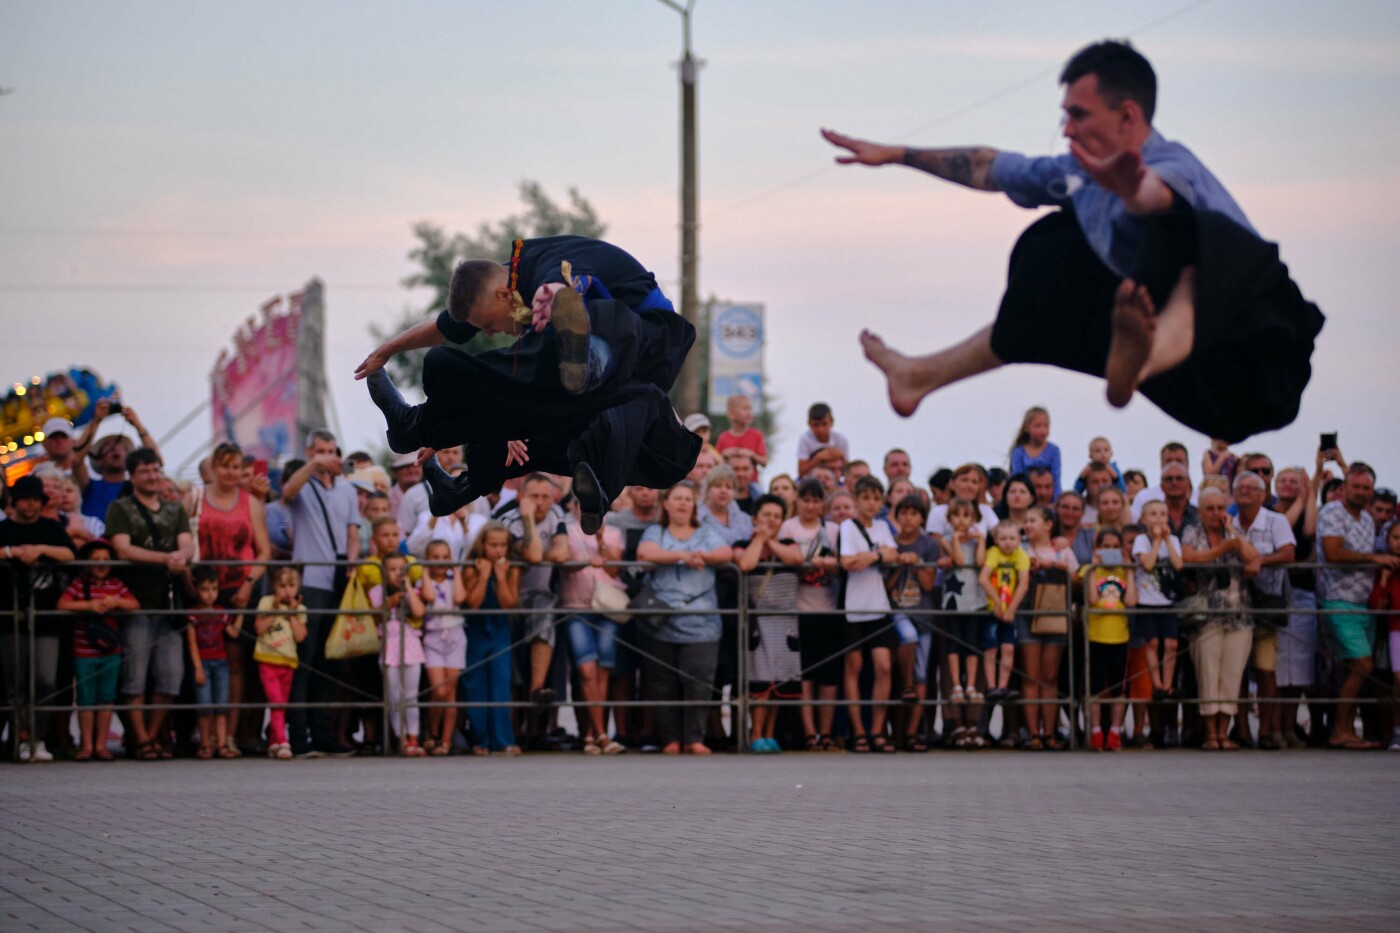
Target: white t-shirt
[1269, 533]
[938, 521]
[865, 589]
[1149, 589]
[808, 444]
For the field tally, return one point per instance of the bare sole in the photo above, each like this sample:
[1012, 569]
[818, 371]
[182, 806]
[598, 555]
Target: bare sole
[1134, 328]
[905, 395]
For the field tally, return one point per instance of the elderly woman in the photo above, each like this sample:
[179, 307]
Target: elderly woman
[1220, 556]
[720, 512]
[683, 649]
[1297, 640]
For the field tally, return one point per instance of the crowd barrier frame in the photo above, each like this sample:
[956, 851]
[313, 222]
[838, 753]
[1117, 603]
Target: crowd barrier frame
[1078, 707]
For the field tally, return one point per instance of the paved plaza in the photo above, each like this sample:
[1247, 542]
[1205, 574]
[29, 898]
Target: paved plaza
[1013, 841]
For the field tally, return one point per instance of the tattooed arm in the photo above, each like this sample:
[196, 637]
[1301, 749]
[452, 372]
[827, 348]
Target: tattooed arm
[969, 166]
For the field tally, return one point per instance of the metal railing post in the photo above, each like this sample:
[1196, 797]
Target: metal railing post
[33, 714]
[741, 685]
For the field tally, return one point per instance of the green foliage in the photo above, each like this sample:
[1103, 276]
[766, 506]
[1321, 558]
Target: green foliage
[437, 254]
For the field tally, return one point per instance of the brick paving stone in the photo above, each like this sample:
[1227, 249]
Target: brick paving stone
[1181, 840]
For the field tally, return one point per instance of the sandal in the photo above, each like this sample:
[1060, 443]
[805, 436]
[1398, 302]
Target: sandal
[438, 750]
[102, 754]
[147, 752]
[812, 743]
[1354, 743]
[83, 756]
[1210, 745]
[612, 747]
[227, 752]
[1035, 745]
[860, 744]
[162, 752]
[957, 697]
[204, 753]
[882, 745]
[913, 743]
[909, 695]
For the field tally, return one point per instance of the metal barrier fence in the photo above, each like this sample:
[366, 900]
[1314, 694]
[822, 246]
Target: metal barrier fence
[22, 706]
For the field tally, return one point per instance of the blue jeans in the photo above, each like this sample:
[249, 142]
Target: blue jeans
[593, 638]
[487, 679]
[214, 690]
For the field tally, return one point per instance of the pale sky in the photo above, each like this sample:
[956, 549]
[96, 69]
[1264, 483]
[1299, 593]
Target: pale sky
[167, 166]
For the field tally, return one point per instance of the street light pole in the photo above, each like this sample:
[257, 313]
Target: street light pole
[688, 385]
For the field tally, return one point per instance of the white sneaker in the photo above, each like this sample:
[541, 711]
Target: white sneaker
[34, 752]
[1394, 745]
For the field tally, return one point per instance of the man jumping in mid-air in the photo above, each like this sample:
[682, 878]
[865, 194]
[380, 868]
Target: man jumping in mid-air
[599, 347]
[1150, 275]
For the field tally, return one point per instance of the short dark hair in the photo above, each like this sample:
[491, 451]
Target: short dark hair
[811, 489]
[818, 411]
[997, 475]
[470, 280]
[912, 501]
[1353, 470]
[768, 498]
[140, 457]
[1035, 471]
[1173, 446]
[1123, 73]
[1385, 495]
[203, 573]
[940, 478]
[868, 483]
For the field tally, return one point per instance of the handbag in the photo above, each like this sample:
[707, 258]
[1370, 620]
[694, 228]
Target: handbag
[354, 634]
[610, 600]
[643, 607]
[1051, 595]
[99, 634]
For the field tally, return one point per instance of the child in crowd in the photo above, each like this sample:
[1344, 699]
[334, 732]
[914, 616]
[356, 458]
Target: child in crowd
[1042, 652]
[700, 425]
[276, 651]
[1137, 682]
[1219, 460]
[204, 636]
[1385, 597]
[866, 544]
[840, 506]
[911, 588]
[1110, 591]
[444, 642]
[821, 444]
[1157, 554]
[491, 583]
[403, 649]
[97, 645]
[1134, 482]
[1032, 446]
[818, 630]
[741, 432]
[1101, 454]
[775, 668]
[1005, 578]
[962, 593]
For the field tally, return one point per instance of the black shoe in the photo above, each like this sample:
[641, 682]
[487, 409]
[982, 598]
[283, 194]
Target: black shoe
[571, 330]
[403, 434]
[592, 500]
[335, 750]
[446, 494]
[544, 696]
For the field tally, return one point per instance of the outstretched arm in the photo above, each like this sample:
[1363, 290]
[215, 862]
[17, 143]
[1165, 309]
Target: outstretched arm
[968, 166]
[418, 337]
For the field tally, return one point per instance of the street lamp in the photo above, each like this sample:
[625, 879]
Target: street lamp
[688, 393]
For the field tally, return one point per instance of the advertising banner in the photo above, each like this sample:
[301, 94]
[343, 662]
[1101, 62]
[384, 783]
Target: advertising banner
[736, 354]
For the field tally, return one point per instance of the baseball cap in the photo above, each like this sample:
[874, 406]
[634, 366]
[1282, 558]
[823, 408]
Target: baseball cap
[56, 426]
[696, 421]
[403, 460]
[28, 487]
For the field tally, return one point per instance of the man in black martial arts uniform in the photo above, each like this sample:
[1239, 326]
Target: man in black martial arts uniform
[1150, 275]
[586, 383]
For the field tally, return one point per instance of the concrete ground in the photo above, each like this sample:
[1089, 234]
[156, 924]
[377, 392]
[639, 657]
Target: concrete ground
[998, 840]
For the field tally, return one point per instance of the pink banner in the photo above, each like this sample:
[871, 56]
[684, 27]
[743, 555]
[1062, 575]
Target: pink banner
[255, 387]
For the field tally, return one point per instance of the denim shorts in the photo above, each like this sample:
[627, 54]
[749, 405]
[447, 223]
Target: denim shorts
[592, 638]
[214, 690]
[1024, 635]
[904, 629]
[996, 633]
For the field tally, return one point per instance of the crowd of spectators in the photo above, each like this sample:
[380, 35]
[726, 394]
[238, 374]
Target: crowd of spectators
[323, 611]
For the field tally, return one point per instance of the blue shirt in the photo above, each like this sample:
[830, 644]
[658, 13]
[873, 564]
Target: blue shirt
[1048, 458]
[686, 588]
[99, 494]
[1112, 232]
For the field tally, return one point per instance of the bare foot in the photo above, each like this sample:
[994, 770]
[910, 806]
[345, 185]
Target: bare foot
[1134, 328]
[905, 390]
[671, 748]
[697, 748]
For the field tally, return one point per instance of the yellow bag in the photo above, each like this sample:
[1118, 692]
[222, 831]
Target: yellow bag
[353, 635]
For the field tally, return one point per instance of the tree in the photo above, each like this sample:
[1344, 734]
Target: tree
[437, 254]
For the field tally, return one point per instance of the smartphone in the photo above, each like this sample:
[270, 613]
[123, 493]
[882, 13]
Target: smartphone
[1109, 557]
[1328, 443]
[260, 468]
[115, 408]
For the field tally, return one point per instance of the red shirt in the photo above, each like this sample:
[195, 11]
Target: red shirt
[227, 535]
[209, 636]
[1388, 597]
[752, 439]
[96, 589]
